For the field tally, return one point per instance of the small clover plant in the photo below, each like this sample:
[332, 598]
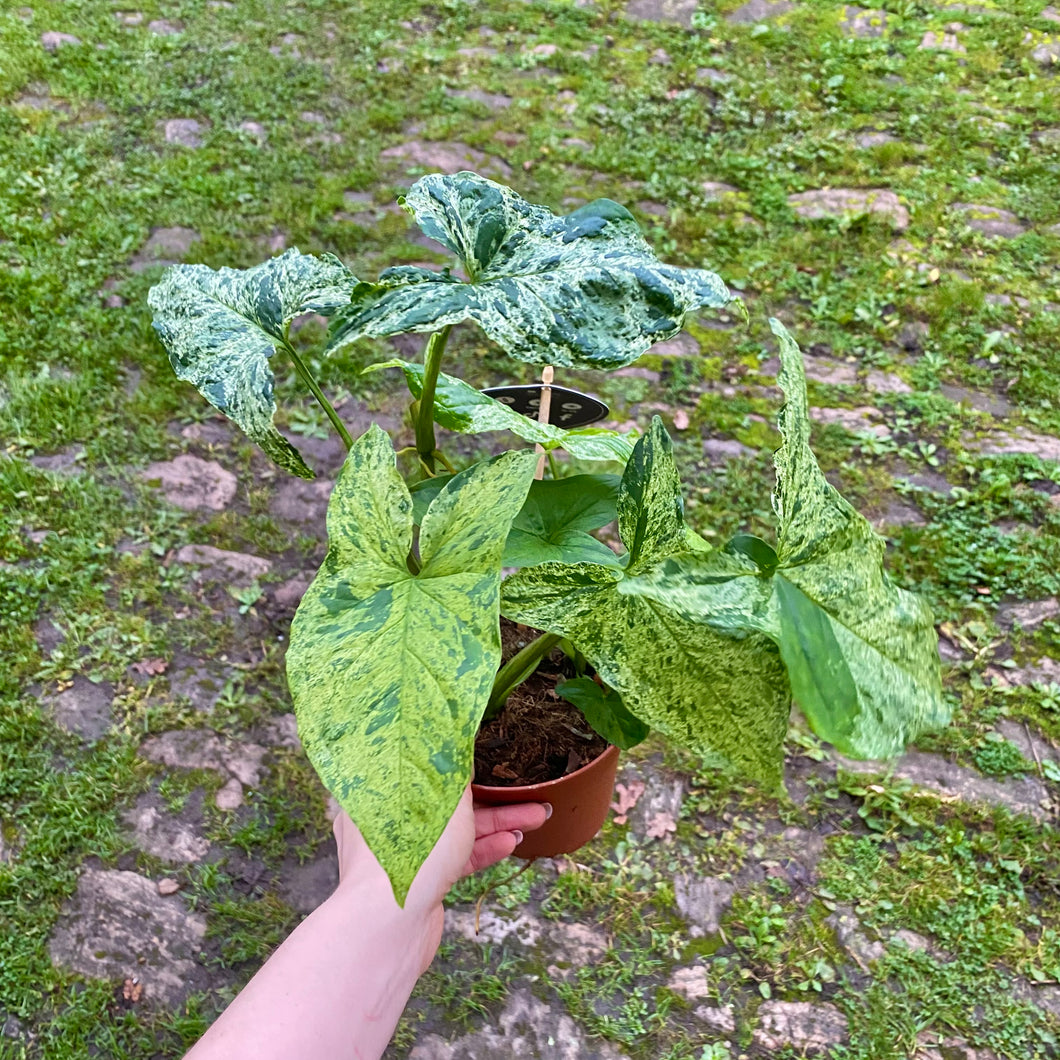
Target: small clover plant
[395, 654]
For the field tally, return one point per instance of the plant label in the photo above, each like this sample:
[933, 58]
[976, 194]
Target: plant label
[569, 407]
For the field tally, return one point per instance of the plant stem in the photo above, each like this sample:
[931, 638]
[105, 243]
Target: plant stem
[432, 363]
[516, 670]
[552, 469]
[307, 378]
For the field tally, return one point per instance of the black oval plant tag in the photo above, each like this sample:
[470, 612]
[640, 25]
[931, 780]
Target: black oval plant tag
[569, 408]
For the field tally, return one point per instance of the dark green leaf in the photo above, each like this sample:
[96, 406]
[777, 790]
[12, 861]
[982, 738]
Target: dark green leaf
[221, 327]
[390, 672]
[604, 711]
[460, 407]
[555, 519]
[582, 291]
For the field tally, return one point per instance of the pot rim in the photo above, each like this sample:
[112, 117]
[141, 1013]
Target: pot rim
[550, 785]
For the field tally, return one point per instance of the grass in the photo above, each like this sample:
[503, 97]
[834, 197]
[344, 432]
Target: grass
[86, 176]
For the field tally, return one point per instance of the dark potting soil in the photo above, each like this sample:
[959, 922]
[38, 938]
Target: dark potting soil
[537, 736]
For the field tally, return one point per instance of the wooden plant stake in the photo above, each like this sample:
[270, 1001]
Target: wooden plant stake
[543, 410]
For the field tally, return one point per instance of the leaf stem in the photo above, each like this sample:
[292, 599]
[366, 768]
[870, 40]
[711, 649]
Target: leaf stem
[516, 670]
[426, 445]
[307, 378]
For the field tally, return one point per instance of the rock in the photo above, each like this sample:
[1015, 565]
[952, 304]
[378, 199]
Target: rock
[47, 635]
[941, 42]
[1029, 614]
[721, 1019]
[164, 28]
[1047, 53]
[1033, 747]
[303, 502]
[830, 371]
[860, 22]
[493, 928]
[990, 220]
[660, 57]
[899, 514]
[184, 132]
[702, 900]
[64, 461]
[83, 709]
[53, 41]
[849, 203]
[194, 484]
[230, 797]
[857, 420]
[117, 926]
[993, 404]
[204, 749]
[912, 335]
[708, 75]
[233, 568]
[677, 12]
[254, 129]
[490, 100]
[808, 1027]
[886, 383]
[714, 190]
[305, 887]
[281, 730]
[850, 935]
[1050, 14]
[526, 1029]
[1028, 795]
[1043, 446]
[759, 10]
[718, 450]
[167, 886]
[158, 832]
[578, 945]
[692, 983]
[682, 345]
[200, 681]
[165, 246]
[1045, 671]
[129, 18]
[662, 798]
[447, 157]
[289, 594]
[874, 138]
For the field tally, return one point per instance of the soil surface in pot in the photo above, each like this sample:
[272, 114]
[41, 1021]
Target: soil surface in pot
[538, 736]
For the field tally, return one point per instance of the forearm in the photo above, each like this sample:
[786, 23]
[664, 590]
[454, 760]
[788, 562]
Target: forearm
[335, 989]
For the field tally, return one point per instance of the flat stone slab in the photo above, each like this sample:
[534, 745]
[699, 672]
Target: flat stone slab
[200, 681]
[675, 12]
[863, 22]
[990, 220]
[165, 246]
[204, 749]
[194, 484]
[234, 568]
[1029, 614]
[53, 40]
[848, 203]
[760, 11]
[183, 132]
[702, 901]
[1043, 446]
[83, 709]
[118, 926]
[447, 156]
[302, 502]
[165, 835]
[812, 1028]
[526, 1029]
[1028, 795]
[861, 420]
[304, 887]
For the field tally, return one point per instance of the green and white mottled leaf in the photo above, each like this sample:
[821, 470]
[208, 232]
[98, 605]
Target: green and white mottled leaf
[220, 327]
[861, 653]
[583, 291]
[461, 408]
[391, 671]
[604, 711]
[556, 517]
[724, 697]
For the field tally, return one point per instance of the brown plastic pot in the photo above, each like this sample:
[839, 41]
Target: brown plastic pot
[580, 802]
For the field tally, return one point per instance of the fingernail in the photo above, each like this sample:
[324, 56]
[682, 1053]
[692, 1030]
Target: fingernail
[548, 810]
[518, 836]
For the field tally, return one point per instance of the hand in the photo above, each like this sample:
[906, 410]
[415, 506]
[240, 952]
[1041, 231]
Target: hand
[475, 838]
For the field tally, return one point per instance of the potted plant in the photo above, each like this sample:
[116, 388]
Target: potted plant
[395, 651]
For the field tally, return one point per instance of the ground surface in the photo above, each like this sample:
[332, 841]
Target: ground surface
[887, 182]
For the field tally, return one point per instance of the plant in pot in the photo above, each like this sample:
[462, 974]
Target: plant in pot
[395, 652]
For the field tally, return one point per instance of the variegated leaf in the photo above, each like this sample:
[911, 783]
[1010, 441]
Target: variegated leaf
[221, 327]
[584, 290]
[725, 697]
[460, 407]
[861, 653]
[391, 671]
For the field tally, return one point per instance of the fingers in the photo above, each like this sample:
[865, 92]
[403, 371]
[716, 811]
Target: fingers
[491, 849]
[524, 816]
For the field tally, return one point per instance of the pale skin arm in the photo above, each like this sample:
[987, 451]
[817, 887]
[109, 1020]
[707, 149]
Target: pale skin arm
[336, 988]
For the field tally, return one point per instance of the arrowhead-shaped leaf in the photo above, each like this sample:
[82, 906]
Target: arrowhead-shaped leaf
[554, 522]
[460, 407]
[221, 327]
[724, 697]
[390, 672]
[861, 653]
[580, 291]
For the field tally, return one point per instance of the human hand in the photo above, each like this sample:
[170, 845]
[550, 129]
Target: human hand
[475, 838]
